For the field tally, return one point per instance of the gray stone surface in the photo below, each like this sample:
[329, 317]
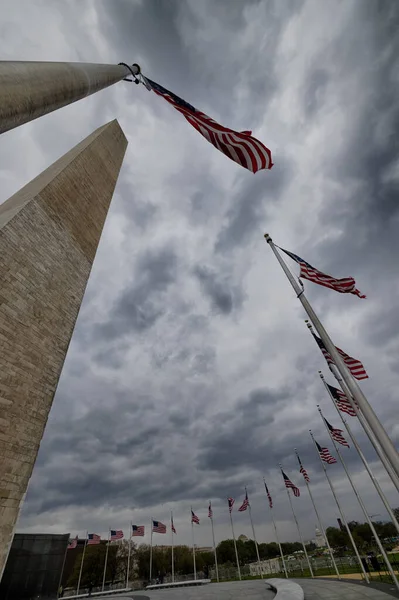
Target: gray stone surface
[49, 232]
[285, 589]
[234, 590]
[323, 589]
[29, 90]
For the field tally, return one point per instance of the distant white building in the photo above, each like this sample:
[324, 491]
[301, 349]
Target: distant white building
[267, 567]
[320, 540]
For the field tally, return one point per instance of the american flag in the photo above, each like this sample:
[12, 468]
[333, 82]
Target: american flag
[138, 530]
[240, 146]
[268, 495]
[303, 471]
[116, 534]
[325, 455]
[245, 504]
[93, 538]
[72, 543]
[194, 518]
[210, 511]
[342, 401]
[354, 365]
[158, 527]
[172, 525]
[230, 502]
[336, 434]
[290, 486]
[346, 285]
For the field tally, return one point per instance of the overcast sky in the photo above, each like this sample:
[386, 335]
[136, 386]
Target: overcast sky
[191, 373]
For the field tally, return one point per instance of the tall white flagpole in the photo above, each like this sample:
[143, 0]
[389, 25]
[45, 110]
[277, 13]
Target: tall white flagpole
[235, 544]
[128, 556]
[362, 506]
[369, 414]
[275, 530]
[173, 561]
[253, 533]
[363, 458]
[192, 531]
[297, 526]
[319, 521]
[210, 514]
[380, 453]
[106, 559]
[81, 564]
[341, 512]
[151, 528]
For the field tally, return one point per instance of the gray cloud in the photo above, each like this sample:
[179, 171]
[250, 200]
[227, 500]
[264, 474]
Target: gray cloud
[190, 373]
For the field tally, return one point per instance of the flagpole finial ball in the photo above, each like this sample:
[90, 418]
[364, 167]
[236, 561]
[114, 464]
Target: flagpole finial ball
[267, 237]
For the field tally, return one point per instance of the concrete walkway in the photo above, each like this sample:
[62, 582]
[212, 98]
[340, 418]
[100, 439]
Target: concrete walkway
[318, 589]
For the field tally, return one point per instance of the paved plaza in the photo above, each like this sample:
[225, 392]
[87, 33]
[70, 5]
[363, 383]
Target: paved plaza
[315, 589]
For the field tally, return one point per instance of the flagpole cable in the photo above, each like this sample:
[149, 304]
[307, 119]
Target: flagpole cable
[192, 531]
[106, 560]
[341, 512]
[235, 546]
[214, 547]
[362, 505]
[255, 540]
[363, 458]
[81, 564]
[151, 528]
[319, 521]
[173, 564]
[368, 412]
[128, 556]
[373, 440]
[299, 531]
[277, 537]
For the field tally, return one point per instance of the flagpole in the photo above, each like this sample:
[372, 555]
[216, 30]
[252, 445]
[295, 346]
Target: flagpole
[151, 528]
[297, 526]
[128, 556]
[214, 545]
[362, 505]
[192, 531]
[319, 521]
[380, 453]
[369, 414]
[81, 564]
[173, 562]
[106, 559]
[277, 538]
[235, 544]
[341, 512]
[253, 533]
[363, 458]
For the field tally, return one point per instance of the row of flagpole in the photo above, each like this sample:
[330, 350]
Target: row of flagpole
[346, 371]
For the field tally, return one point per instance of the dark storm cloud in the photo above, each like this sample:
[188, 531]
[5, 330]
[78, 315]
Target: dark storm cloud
[141, 304]
[224, 298]
[247, 216]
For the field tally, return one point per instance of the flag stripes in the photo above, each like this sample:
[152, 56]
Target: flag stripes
[268, 495]
[158, 527]
[342, 401]
[194, 518]
[347, 285]
[290, 486]
[325, 455]
[245, 504]
[138, 530]
[172, 525]
[241, 147]
[93, 538]
[116, 534]
[230, 502]
[355, 366]
[336, 434]
[210, 511]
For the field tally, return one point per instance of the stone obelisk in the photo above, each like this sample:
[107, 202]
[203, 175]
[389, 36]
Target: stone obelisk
[49, 233]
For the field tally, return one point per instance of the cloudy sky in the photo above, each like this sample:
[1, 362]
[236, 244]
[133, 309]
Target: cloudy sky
[191, 373]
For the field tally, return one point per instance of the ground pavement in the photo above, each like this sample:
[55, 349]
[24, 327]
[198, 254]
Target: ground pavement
[315, 589]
